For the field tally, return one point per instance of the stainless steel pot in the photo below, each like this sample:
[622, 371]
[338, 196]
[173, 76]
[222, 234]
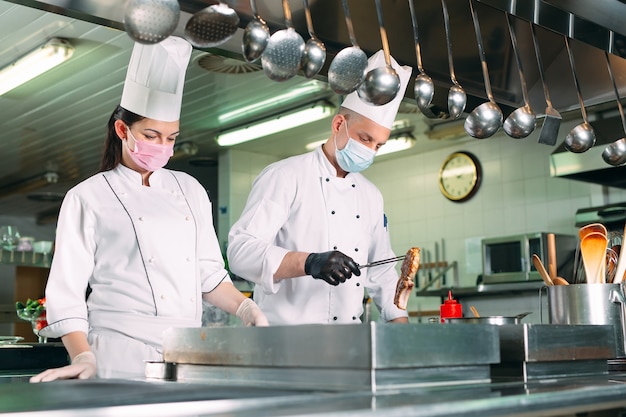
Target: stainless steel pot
[499, 320]
[590, 304]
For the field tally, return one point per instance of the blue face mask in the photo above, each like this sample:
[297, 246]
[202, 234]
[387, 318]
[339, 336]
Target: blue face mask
[355, 157]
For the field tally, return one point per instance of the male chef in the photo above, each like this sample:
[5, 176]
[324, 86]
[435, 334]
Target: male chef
[311, 219]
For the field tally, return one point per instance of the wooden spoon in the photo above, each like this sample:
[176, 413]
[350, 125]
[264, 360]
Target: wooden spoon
[542, 270]
[593, 249]
[560, 281]
[552, 256]
[474, 311]
[591, 228]
[621, 261]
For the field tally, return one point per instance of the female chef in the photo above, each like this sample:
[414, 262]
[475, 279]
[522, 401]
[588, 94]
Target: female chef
[140, 237]
[311, 218]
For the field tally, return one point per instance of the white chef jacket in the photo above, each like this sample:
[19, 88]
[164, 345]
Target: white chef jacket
[299, 204]
[146, 252]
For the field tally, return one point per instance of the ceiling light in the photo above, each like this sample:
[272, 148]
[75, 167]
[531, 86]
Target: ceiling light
[35, 63]
[297, 92]
[399, 143]
[275, 125]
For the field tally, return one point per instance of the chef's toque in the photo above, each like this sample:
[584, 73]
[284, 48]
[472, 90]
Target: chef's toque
[154, 81]
[384, 115]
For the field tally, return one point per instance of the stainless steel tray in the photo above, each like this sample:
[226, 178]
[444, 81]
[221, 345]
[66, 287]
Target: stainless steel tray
[535, 352]
[554, 342]
[333, 357]
[359, 346]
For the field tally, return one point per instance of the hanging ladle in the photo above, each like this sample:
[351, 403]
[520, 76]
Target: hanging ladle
[282, 57]
[381, 85]
[457, 98]
[212, 26]
[581, 137]
[151, 21]
[314, 50]
[522, 121]
[615, 153]
[256, 35]
[486, 119]
[347, 70]
[424, 86]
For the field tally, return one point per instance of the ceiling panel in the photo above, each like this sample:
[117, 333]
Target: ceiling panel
[57, 121]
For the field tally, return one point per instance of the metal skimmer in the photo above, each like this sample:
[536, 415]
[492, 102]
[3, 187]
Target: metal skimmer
[151, 21]
[212, 26]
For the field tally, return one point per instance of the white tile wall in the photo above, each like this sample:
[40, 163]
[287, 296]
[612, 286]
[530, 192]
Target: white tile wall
[517, 195]
[237, 171]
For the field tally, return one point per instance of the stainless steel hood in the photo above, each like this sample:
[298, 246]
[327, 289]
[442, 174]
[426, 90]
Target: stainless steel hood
[590, 27]
[61, 119]
[589, 166]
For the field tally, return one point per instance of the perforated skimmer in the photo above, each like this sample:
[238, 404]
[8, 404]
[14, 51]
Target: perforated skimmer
[151, 21]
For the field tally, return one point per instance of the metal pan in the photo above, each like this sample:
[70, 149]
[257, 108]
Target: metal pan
[498, 320]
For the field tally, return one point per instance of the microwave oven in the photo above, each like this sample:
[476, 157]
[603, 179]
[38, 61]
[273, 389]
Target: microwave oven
[509, 259]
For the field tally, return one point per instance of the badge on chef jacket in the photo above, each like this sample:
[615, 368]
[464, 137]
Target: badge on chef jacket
[155, 78]
[384, 115]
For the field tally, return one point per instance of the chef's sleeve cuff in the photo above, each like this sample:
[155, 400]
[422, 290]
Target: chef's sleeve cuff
[392, 312]
[274, 257]
[65, 326]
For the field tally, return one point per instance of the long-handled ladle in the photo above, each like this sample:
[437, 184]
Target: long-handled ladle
[582, 137]
[486, 119]
[615, 153]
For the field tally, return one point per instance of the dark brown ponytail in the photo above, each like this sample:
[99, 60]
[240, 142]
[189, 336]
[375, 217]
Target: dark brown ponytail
[112, 155]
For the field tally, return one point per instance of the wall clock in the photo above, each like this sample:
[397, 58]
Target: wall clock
[460, 176]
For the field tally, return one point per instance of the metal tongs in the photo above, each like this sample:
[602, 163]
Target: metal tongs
[382, 262]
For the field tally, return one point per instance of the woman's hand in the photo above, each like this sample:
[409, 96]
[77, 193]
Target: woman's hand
[251, 315]
[83, 367]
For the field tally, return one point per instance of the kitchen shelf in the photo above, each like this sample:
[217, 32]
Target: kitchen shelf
[25, 258]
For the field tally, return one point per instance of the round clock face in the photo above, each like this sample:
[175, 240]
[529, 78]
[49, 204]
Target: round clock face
[460, 176]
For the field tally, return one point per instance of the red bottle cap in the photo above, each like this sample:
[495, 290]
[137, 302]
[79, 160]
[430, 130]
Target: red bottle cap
[450, 308]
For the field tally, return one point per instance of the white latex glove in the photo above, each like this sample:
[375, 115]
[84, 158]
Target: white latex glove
[83, 367]
[251, 315]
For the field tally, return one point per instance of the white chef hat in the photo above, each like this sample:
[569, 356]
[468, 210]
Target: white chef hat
[154, 81]
[384, 115]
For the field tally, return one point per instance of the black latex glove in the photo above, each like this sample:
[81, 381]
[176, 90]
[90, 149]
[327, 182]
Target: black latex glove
[333, 267]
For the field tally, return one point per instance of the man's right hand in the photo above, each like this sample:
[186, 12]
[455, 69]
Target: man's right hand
[333, 267]
[83, 367]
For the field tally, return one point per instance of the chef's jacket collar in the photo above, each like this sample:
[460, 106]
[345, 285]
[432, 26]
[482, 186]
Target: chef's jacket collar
[156, 178]
[327, 167]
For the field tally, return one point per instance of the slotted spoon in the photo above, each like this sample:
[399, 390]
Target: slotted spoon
[212, 26]
[347, 70]
[151, 21]
[282, 57]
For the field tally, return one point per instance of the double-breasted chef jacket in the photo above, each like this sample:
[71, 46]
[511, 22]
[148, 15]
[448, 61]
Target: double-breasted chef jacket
[299, 204]
[147, 253]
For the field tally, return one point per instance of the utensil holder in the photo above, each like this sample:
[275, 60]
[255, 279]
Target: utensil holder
[589, 304]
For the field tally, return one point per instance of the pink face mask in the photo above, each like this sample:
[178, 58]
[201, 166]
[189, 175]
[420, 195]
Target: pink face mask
[149, 156]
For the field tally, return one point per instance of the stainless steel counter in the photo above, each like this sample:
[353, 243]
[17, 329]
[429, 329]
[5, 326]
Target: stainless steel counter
[563, 397]
[368, 348]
